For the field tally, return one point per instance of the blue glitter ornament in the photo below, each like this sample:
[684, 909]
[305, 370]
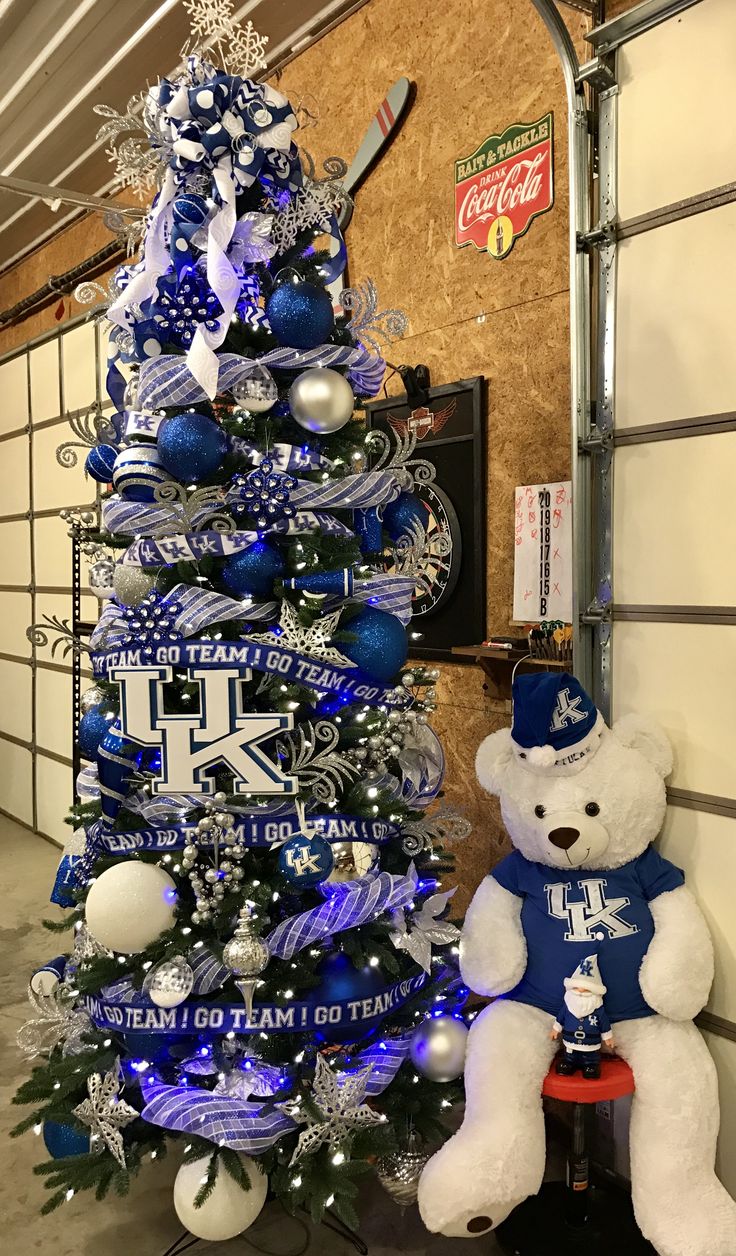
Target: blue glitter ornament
[368, 528]
[264, 493]
[400, 515]
[64, 1140]
[93, 726]
[306, 861]
[101, 463]
[339, 982]
[137, 473]
[300, 315]
[191, 447]
[254, 570]
[381, 644]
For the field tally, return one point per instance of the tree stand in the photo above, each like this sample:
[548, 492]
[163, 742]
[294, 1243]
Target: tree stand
[578, 1217]
[330, 1221]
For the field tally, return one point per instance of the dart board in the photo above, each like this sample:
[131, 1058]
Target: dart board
[449, 598]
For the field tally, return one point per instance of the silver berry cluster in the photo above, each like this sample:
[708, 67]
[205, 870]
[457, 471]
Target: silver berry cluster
[212, 859]
[424, 678]
[384, 743]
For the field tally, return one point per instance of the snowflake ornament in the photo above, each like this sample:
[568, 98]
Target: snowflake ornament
[339, 1099]
[239, 49]
[291, 634]
[265, 493]
[154, 620]
[105, 1112]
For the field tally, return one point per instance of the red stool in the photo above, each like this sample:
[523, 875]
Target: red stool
[577, 1217]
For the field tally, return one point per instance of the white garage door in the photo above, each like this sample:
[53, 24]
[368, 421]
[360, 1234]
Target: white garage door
[671, 382]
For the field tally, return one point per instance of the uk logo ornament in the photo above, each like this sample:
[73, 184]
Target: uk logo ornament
[306, 861]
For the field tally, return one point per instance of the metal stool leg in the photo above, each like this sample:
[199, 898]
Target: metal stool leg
[184, 1241]
[578, 1169]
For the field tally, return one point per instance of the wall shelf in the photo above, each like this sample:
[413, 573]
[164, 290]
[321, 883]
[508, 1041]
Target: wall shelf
[499, 665]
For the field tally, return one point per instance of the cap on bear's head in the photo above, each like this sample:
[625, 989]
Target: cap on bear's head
[556, 725]
[587, 976]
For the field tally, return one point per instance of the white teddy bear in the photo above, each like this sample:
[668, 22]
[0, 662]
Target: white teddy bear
[582, 804]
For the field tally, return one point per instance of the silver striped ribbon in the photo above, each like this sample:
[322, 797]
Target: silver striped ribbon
[236, 1123]
[371, 488]
[198, 609]
[349, 905]
[168, 381]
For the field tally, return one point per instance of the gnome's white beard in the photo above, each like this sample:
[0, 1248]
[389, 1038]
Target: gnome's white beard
[582, 1005]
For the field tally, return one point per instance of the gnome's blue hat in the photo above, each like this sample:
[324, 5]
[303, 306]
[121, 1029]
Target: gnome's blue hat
[556, 725]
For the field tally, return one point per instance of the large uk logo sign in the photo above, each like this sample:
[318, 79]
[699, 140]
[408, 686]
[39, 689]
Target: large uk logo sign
[194, 744]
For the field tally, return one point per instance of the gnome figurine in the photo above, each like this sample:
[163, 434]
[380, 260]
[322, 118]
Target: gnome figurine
[582, 1021]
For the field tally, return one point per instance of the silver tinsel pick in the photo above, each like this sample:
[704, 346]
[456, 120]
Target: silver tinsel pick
[341, 1108]
[105, 1112]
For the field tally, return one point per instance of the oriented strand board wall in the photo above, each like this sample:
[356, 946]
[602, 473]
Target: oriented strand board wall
[478, 66]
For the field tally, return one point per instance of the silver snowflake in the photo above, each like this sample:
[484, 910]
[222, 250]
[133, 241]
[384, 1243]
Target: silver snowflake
[314, 206]
[86, 947]
[313, 641]
[239, 49]
[105, 1112]
[426, 928]
[57, 1021]
[339, 1099]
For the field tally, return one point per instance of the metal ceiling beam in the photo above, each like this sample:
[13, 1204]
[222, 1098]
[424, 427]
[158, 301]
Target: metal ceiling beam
[635, 22]
[53, 196]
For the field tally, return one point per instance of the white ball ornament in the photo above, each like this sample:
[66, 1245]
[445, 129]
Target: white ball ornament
[438, 1048]
[129, 905]
[321, 400]
[229, 1209]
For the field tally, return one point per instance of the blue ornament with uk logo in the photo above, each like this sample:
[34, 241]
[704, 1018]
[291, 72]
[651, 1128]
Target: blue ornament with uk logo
[191, 447]
[306, 861]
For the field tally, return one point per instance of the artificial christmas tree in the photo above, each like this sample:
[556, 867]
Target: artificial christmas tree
[252, 879]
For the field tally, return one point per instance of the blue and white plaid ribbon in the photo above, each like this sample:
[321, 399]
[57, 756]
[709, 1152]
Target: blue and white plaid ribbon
[349, 905]
[198, 608]
[168, 381]
[236, 1123]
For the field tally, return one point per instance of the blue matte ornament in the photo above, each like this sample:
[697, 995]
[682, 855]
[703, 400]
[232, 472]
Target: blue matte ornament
[401, 514]
[93, 726]
[254, 570]
[300, 315]
[306, 861]
[380, 647]
[100, 463]
[191, 447]
[64, 1140]
[341, 981]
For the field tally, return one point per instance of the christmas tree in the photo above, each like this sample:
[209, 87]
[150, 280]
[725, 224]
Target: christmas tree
[262, 968]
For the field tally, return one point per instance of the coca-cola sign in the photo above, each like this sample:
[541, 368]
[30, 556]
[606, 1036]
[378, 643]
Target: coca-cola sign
[502, 186]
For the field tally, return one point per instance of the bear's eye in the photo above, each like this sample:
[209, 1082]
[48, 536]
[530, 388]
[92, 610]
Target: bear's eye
[539, 811]
[592, 809]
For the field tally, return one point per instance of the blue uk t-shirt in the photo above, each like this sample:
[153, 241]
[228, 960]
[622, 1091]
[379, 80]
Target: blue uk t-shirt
[563, 911]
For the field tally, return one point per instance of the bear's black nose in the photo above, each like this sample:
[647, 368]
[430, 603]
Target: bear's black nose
[477, 1225]
[564, 838]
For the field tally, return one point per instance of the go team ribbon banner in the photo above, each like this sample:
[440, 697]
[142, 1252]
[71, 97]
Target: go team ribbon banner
[353, 685]
[141, 1016]
[168, 381]
[249, 830]
[247, 1126]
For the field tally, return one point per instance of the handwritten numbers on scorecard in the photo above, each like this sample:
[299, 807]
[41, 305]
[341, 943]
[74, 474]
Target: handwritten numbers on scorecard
[543, 552]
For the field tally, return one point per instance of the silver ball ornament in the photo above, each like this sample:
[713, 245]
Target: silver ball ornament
[352, 860]
[170, 982]
[321, 400]
[400, 1172]
[132, 584]
[437, 1048]
[91, 698]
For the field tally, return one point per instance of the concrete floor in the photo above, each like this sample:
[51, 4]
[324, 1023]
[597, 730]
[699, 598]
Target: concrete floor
[145, 1222]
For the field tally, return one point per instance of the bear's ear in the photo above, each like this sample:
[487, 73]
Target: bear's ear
[494, 756]
[640, 733]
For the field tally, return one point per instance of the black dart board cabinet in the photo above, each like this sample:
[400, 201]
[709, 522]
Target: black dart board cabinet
[449, 601]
